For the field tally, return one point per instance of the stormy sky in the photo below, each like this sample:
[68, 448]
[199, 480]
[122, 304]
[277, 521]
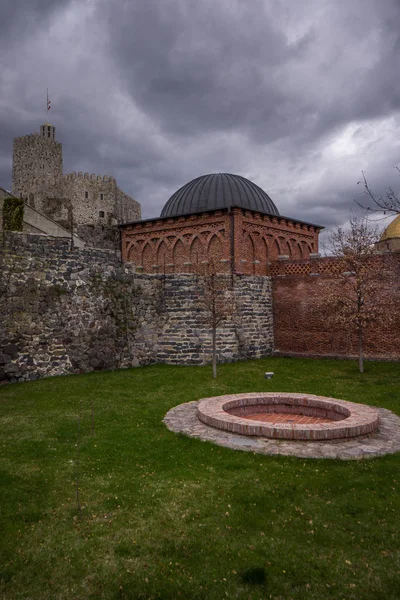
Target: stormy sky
[298, 96]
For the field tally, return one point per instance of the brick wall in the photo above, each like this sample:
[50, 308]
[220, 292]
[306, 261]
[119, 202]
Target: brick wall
[247, 240]
[299, 288]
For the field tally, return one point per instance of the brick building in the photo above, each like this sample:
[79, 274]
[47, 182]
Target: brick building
[219, 219]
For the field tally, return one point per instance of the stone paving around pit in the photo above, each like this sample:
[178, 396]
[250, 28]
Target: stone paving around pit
[183, 419]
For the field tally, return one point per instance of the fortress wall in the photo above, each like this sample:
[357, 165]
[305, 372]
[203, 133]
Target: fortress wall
[38, 178]
[37, 163]
[127, 208]
[75, 311]
[99, 207]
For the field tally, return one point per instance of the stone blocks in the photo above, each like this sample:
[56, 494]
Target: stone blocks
[70, 311]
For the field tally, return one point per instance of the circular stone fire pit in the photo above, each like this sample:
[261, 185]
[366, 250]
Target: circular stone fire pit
[281, 415]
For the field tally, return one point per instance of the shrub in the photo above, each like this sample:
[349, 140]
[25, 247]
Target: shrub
[13, 214]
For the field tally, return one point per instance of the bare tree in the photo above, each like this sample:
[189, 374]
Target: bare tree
[358, 299]
[215, 297]
[70, 210]
[389, 203]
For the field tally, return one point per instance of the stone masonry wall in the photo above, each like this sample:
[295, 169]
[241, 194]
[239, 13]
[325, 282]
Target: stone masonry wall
[75, 311]
[97, 203]
[127, 208]
[37, 163]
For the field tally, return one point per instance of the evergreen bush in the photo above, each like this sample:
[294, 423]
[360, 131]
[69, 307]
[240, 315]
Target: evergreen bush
[13, 214]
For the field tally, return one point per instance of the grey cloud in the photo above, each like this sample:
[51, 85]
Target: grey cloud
[200, 69]
[18, 17]
[218, 66]
[256, 88]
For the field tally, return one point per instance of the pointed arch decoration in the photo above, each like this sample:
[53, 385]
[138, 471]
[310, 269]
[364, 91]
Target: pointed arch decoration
[305, 249]
[284, 246]
[215, 251]
[265, 256]
[197, 254]
[148, 257]
[133, 253]
[163, 257]
[275, 250]
[180, 256]
[249, 254]
[295, 249]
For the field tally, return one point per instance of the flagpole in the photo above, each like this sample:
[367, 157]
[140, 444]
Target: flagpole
[48, 105]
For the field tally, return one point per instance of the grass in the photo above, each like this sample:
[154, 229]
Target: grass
[165, 516]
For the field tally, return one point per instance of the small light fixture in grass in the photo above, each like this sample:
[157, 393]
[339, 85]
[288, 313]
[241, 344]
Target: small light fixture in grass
[268, 374]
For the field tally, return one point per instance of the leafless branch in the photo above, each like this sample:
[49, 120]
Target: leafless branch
[215, 297]
[355, 298]
[389, 203]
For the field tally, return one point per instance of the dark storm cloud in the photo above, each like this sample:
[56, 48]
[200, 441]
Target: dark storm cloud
[297, 96]
[200, 66]
[20, 16]
[197, 66]
[19, 20]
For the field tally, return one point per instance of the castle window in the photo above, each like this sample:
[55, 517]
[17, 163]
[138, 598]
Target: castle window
[101, 196]
[101, 213]
[86, 194]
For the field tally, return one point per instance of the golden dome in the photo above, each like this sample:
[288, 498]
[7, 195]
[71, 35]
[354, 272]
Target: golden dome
[392, 230]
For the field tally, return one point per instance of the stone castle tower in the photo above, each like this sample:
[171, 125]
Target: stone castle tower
[37, 165]
[93, 203]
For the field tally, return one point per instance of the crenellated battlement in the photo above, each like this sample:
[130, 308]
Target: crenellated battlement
[34, 137]
[90, 177]
[28, 136]
[97, 202]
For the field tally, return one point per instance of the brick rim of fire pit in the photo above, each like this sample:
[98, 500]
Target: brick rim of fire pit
[355, 419]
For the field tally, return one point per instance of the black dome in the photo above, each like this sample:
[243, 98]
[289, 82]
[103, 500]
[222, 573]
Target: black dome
[218, 190]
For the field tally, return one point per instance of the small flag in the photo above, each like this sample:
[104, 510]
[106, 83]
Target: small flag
[48, 101]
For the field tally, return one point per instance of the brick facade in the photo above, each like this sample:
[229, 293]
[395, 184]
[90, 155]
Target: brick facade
[299, 288]
[238, 239]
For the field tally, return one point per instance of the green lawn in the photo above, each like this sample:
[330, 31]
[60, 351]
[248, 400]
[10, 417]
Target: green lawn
[165, 516]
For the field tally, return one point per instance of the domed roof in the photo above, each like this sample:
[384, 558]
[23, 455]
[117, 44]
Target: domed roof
[392, 230]
[215, 191]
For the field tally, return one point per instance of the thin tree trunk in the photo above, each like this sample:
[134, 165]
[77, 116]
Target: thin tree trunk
[92, 417]
[214, 351]
[360, 351]
[77, 473]
[71, 220]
